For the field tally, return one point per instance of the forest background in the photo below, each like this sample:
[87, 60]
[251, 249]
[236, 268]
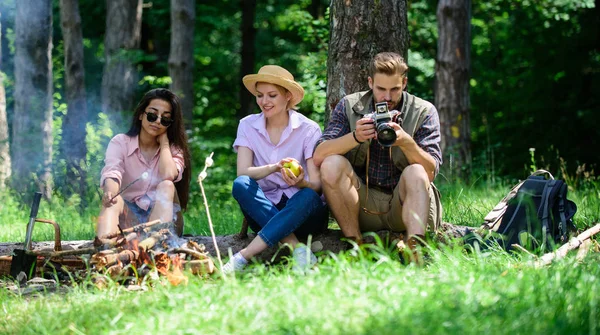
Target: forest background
[532, 83]
[534, 79]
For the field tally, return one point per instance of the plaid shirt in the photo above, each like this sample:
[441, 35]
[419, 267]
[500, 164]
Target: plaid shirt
[382, 171]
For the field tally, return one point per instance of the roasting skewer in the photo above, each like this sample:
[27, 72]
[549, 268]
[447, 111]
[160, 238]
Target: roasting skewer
[143, 177]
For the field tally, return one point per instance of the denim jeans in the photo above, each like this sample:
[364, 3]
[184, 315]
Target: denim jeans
[303, 214]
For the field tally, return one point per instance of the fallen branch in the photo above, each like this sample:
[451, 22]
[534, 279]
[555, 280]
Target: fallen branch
[574, 243]
[584, 249]
[53, 254]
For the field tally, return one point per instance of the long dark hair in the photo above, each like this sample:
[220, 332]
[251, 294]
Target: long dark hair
[175, 133]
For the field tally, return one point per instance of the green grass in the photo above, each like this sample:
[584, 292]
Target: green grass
[366, 292]
[456, 293]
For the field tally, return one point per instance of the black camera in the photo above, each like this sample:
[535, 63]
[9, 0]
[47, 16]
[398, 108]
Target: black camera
[386, 135]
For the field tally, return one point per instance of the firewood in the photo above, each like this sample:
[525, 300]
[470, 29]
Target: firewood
[124, 257]
[574, 243]
[200, 266]
[151, 241]
[193, 253]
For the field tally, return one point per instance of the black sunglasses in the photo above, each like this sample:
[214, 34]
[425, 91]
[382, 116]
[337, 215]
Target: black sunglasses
[165, 121]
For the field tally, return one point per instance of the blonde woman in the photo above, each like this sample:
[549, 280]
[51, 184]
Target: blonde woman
[278, 204]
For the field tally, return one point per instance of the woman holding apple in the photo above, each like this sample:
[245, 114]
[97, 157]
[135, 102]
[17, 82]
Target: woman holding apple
[278, 186]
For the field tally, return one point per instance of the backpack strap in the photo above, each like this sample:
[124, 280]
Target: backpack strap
[561, 210]
[493, 217]
[544, 211]
[543, 172]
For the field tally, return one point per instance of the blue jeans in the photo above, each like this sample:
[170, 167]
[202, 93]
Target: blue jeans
[303, 214]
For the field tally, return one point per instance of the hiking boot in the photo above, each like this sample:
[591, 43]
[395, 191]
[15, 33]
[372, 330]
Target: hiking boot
[410, 250]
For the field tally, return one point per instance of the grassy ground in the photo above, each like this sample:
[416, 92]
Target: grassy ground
[357, 292]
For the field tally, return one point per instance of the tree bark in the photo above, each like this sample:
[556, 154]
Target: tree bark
[452, 82]
[359, 30]
[32, 122]
[123, 35]
[247, 55]
[72, 146]
[5, 169]
[181, 57]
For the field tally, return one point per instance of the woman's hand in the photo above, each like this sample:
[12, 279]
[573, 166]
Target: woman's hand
[289, 177]
[106, 199]
[163, 140]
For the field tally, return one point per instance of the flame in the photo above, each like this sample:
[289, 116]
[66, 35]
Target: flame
[171, 268]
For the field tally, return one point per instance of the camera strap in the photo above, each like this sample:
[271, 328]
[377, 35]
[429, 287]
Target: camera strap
[367, 180]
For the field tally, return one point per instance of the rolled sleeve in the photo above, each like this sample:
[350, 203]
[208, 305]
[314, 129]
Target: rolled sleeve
[338, 125]
[114, 160]
[179, 162]
[428, 137]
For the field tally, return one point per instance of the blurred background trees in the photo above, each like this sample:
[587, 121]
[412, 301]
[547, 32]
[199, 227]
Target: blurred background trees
[531, 75]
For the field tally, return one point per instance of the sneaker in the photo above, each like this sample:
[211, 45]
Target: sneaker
[235, 264]
[304, 259]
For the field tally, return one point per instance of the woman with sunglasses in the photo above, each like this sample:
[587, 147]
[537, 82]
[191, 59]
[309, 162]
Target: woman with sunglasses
[147, 170]
[281, 203]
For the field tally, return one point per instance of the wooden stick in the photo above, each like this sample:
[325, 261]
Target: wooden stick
[193, 253]
[132, 229]
[201, 176]
[517, 246]
[574, 243]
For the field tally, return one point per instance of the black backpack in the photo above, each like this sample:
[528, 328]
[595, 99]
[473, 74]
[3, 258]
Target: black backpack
[535, 213]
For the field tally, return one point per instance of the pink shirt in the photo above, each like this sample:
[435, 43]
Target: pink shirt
[297, 141]
[124, 162]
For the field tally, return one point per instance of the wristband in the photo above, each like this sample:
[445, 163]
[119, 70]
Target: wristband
[356, 139]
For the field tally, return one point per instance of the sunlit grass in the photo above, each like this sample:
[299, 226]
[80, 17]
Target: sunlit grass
[364, 293]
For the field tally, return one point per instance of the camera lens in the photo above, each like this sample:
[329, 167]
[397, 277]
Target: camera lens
[386, 136]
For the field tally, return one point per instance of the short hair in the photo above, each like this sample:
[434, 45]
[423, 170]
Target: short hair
[388, 63]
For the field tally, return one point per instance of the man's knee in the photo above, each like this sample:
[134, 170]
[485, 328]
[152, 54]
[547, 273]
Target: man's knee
[414, 177]
[332, 168]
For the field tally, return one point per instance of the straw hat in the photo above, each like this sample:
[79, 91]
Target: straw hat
[277, 75]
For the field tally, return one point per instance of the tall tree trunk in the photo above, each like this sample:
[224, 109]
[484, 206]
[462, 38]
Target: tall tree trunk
[72, 146]
[247, 54]
[358, 31]
[4, 140]
[32, 122]
[123, 35]
[452, 82]
[181, 57]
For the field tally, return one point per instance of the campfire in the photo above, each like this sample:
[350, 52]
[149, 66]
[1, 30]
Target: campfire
[136, 251]
[129, 256]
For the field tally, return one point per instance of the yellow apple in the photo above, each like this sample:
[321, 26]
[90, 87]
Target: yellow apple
[294, 167]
